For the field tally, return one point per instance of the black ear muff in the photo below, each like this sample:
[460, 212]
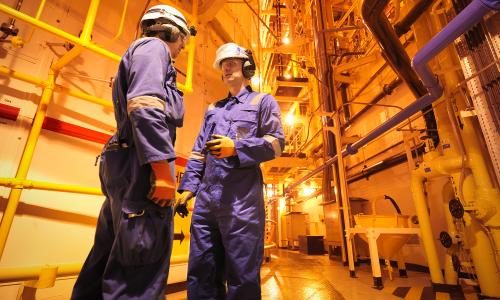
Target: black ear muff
[249, 65]
[166, 32]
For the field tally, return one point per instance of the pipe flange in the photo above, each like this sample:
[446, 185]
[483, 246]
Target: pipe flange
[456, 208]
[445, 239]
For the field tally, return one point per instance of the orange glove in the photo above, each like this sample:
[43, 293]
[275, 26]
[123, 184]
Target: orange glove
[221, 146]
[162, 190]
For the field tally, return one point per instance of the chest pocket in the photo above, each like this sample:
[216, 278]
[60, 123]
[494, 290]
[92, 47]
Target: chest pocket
[245, 122]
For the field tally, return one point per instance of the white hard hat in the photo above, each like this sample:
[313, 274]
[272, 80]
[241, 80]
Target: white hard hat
[166, 12]
[229, 50]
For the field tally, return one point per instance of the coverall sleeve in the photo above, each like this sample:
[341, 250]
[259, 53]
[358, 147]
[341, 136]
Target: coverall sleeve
[195, 167]
[270, 141]
[146, 98]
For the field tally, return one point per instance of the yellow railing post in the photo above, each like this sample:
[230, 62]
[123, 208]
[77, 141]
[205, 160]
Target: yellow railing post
[24, 165]
[36, 128]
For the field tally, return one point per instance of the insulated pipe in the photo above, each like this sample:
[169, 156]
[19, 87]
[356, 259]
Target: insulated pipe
[396, 56]
[471, 15]
[424, 222]
[416, 11]
[345, 197]
[410, 109]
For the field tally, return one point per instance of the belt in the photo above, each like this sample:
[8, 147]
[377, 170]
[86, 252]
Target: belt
[115, 146]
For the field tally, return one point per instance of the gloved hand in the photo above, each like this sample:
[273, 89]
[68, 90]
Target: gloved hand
[221, 146]
[162, 190]
[181, 203]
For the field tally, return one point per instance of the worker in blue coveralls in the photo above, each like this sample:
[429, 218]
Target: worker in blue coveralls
[131, 253]
[227, 226]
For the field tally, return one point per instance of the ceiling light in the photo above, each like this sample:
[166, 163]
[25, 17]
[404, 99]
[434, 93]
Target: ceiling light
[255, 80]
[286, 40]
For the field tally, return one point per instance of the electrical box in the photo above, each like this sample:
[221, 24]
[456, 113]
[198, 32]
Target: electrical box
[295, 226]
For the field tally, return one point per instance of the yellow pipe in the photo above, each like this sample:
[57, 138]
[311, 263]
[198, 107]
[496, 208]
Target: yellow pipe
[450, 275]
[483, 258]
[191, 53]
[22, 76]
[48, 186]
[67, 58]
[120, 28]
[22, 171]
[345, 194]
[33, 272]
[38, 14]
[86, 34]
[84, 96]
[85, 37]
[54, 30]
[417, 190]
[59, 88]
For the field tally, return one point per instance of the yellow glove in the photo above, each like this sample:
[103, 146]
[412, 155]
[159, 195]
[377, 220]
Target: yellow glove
[162, 190]
[221, 146]
[181, 204]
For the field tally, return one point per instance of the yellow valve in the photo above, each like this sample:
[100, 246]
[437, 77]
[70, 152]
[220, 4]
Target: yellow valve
[17, 42]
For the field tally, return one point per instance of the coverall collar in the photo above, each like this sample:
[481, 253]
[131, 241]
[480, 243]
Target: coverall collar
[242, 95]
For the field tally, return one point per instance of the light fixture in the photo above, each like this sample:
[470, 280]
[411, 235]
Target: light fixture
[308, 191]
[290, 119]
[255, 80]
[288, 76]
[285, 40]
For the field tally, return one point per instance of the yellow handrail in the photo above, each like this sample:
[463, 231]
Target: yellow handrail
[58, 88]
[16, 183]
[14, 274]
[38, 14]
[22, 171]
[61, 33]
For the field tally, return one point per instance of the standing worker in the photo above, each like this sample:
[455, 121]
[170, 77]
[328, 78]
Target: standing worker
[130, 257]
[227, 226]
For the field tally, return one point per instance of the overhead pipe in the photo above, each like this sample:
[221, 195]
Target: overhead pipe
[410, 110]
[486, 197]
[404, 25]
[386, 90]
[393, 50]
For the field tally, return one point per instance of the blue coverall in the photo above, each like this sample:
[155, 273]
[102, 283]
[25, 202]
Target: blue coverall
[133, 241]
[227, 226]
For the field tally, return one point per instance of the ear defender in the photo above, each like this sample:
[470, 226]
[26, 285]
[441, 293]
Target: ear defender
[167, 32]
[249, 65]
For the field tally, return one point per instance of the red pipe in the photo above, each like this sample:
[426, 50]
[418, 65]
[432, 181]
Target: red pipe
[11, 113]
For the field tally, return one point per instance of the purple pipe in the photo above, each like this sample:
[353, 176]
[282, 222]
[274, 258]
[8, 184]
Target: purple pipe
[471, 15]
